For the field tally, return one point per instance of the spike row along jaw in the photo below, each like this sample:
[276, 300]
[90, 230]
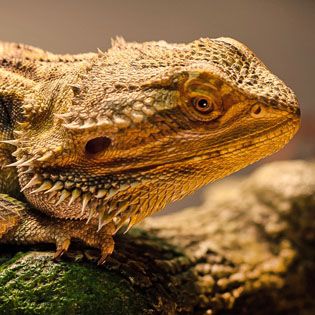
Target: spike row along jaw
[22, 159]
[56, 189]
[94, 203]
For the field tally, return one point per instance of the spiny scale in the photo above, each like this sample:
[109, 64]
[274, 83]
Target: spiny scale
[57, 186]
[112, 191]
[28, 162]
[131, 223]
[134, 219]
[46, 156]
[91, 213]
[52, 194]
[64, 195]
[34, 181]
[17, 163]
[11, 142]
[123, 205]
[85, 200]
[76, 193]
[29, 170]
[101, 193]
[63, 116]
[17, 152]
[44, 186]
[121, 223]
[103, 218]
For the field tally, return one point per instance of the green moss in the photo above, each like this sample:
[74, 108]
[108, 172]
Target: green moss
[6, 260]
[33, 284]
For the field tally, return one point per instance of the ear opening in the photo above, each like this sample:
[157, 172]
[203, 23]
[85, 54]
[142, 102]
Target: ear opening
[97, 145]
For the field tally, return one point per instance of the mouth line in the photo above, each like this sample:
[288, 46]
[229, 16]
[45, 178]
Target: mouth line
[255, 138]
[222, 150]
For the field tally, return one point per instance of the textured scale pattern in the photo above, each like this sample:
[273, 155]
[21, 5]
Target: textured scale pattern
[156, 62]
[97, 141]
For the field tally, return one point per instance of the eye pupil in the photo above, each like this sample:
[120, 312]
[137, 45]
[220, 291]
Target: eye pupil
[202, 105]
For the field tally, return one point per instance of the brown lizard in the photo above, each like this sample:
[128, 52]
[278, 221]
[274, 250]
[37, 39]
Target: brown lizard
[94, 141]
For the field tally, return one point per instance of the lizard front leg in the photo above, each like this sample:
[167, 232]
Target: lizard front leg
[21, 225]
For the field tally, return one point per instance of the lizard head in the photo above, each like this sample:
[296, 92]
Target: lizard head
[146, 124]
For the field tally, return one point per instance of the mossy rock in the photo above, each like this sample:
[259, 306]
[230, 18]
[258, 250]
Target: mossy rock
[31, 283]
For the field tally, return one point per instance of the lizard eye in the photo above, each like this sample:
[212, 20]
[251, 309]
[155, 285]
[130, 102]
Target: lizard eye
[202, 105]
[201, 100]
[97, 145]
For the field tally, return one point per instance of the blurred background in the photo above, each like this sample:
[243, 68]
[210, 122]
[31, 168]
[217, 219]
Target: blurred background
[280, 32]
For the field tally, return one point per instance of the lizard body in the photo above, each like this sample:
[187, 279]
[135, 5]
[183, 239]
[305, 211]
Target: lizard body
[91, 142]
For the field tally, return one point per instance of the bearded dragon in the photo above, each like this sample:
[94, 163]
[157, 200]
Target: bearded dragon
[94, 141]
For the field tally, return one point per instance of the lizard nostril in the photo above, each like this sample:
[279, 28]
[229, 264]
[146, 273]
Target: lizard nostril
[97, 145]
[257, 111]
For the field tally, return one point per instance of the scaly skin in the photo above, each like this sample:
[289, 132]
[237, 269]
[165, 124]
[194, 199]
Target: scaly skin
[110, 138]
